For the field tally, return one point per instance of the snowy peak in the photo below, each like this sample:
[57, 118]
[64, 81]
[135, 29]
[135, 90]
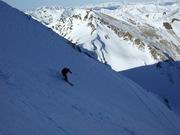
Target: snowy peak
[149, 30]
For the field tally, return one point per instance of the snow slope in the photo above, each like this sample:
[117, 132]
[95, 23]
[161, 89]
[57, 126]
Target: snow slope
[126, 36]
[162, 79]
[34, 100]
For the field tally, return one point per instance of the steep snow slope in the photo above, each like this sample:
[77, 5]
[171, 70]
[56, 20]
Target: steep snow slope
[127, 37]
[162, 78]
[34, 100]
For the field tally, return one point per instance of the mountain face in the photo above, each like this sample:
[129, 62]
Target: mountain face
[35, 100]
[122, 36]
[126, 36]
[162, 78]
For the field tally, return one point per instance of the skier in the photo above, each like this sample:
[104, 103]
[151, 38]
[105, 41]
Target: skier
[167, 103]
[64, 72]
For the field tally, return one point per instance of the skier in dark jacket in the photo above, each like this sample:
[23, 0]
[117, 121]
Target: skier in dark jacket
[64, 72]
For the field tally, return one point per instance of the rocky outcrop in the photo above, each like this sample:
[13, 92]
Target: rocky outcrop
[167, 25]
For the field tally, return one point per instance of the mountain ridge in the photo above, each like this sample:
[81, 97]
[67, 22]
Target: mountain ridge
[138, 33]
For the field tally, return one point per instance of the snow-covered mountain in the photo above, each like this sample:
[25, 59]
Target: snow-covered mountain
[34, 99]
[125, 36]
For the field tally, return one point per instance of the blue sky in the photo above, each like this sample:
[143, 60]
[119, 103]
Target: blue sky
[29, 4]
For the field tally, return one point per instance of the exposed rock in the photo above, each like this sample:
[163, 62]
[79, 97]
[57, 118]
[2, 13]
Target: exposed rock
[77, 16]
[92, 26]
[175, 19]
[150, 32]
[132, 21]
[137, 41]
[86, 16]
[156, 54]
[147, 16]
[107, 36]
[167, 25]
[127, 36]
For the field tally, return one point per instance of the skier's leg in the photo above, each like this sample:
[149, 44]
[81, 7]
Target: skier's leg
[65, 78]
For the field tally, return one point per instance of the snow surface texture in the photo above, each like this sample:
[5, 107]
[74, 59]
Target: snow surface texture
[126, 36]
[35, 100]
[162, 78]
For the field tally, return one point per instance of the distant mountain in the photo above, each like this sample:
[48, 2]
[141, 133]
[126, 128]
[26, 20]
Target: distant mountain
[35, 100]
[123, 36]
